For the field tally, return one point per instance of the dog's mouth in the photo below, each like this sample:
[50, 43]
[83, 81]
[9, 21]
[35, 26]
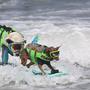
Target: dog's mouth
[16, 53]
[54, 54]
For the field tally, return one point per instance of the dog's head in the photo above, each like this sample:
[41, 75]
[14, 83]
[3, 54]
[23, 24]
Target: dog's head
[53, 53]
[15, 42]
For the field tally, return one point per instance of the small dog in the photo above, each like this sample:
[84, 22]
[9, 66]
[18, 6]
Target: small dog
[39, 54]
[11, 42]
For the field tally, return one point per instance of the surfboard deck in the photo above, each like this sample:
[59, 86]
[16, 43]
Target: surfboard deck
[61, 73]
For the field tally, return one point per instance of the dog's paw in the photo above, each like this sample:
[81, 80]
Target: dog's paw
[27, 65]
[54, 71]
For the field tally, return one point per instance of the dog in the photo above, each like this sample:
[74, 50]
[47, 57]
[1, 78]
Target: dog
[11, 42]
[40, 55]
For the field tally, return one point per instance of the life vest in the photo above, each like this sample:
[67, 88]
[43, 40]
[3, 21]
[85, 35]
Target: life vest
[33, 55]
[4, 31]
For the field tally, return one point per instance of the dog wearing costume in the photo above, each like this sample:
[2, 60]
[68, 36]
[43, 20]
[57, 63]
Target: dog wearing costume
[40, 55]
[11, 42]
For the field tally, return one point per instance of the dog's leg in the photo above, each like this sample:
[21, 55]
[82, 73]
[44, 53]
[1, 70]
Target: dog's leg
[28, 65]
[23, 61]
[52, 69]
[49, 65]
[40, 67]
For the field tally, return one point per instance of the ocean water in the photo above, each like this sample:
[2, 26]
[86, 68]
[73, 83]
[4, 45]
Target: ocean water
[62, 23]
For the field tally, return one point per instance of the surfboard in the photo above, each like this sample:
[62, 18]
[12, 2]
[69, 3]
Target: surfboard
[61, 73]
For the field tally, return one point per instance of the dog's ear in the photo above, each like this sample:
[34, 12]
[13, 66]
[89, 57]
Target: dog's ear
[58, 47]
